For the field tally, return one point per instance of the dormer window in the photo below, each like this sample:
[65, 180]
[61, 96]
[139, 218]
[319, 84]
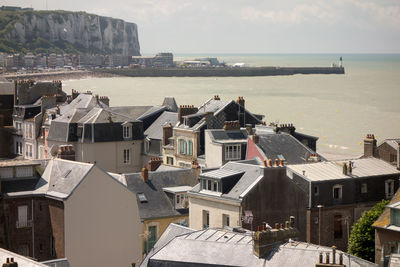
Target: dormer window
[127, 130]
[337, 192]
[210, 185]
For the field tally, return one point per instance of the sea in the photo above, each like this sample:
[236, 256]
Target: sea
[339, 109]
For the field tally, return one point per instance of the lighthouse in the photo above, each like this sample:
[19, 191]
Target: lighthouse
[340, 62]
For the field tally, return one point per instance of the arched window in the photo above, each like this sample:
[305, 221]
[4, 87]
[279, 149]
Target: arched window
[190, 146]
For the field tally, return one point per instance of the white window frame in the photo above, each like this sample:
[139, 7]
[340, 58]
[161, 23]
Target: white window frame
[233, 152]
[340, 195]
[389, 188]
[146, 145]
[28, 151]
[127, 156]
[127, 131]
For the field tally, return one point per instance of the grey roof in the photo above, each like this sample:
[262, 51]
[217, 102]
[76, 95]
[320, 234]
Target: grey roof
[59, 179]
[222, 173]
[392, 142]
[158, 204]
[164, 167]
[212, 105]
[172, 231]
[57, 263]
[133, 112]
[101, 115]
[331, 170]
[286, 145]
[249, 173]
[19, 185]
[155, 131]
[170, 103]
[223, 136]
[222, 247]
[21, 260]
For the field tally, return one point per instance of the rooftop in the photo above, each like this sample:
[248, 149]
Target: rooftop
[331, 170]
[155, 131]
[21, 260]
[384, 220]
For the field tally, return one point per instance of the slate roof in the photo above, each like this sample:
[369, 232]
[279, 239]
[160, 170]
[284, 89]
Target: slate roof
[158, 204]
[250, 175]
[392, 142]
[286, 145]
[384, 220]
[172, 231]
[101, 115]
[223, 247]
[21, 260]
[133, 112]
[223, 136]
[331, 170]
[155, 131]
[59, 179]
[170, 103]
[11, 186]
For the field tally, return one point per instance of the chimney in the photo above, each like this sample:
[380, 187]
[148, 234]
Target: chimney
[58, 110]
[66, 152]
[74, 94]
[370, 146]
[196, 168]
[276, 164]
[185, 110]
[154, 163]
[231, 125]
[167, 133]
[145, 174]
[240, 101]
[327, 259]
[256, 138]
[266, 239]
[345, 169]
[10, 263]
[350, 168]
[216, 97]
[249, 129]
[105, 100]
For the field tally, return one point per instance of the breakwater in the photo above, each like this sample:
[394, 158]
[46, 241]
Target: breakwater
[56, 75]
[221, 71]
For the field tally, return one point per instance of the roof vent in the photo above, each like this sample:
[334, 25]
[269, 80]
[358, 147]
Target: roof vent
[142, 198]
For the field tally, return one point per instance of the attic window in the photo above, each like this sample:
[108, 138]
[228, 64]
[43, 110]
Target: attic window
[142, 197]
[281, 157]
[67, 173]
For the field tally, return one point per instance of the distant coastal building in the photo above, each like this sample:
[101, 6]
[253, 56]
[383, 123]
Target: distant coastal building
[159, 60]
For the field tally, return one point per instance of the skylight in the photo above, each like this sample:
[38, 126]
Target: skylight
[142, 197]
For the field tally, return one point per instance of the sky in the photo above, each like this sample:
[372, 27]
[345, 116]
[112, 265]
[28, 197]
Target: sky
[250, 26]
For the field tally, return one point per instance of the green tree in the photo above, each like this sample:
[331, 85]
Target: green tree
[362, 237]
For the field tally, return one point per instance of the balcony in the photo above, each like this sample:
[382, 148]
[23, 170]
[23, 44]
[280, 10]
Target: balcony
[24, 224]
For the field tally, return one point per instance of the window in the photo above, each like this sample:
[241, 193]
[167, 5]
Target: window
[208, 184]
[337, 226]
[225, 220]
[181, 146]
[152, 237]
[142, 197]
[6, 172]
[389, 188]
[28, 131]
[28, 150]
[316, 190]
[395, 216]
[215, 186]
[337, 192]
[170, 160]
[206, 219]
[146, 146]
[52, 246]
[178, 199]
[127, 156]
[190, 147]
[22, 216]
[126, 131]
[364, 188]
[232, 152]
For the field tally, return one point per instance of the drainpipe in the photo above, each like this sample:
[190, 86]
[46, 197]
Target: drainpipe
[33, 233]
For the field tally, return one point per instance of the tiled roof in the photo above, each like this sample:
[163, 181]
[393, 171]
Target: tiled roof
[384, 220]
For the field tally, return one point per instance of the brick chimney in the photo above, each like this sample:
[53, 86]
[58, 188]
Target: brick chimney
[328, 263]
[185, 110]
[216, 97]
[154, 163]
[105, 100]
[145, 174]
[231, 125]
[10, 263]
[266, 239]
[255, 138]
[370, 149]
[167, 133]
[66, 152]
[74, 94]
[286, 128]
[240, 101]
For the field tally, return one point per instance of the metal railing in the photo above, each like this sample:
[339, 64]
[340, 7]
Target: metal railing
[23, 224]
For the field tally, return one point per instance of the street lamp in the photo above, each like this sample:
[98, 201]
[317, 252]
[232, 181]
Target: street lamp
[319, 223]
